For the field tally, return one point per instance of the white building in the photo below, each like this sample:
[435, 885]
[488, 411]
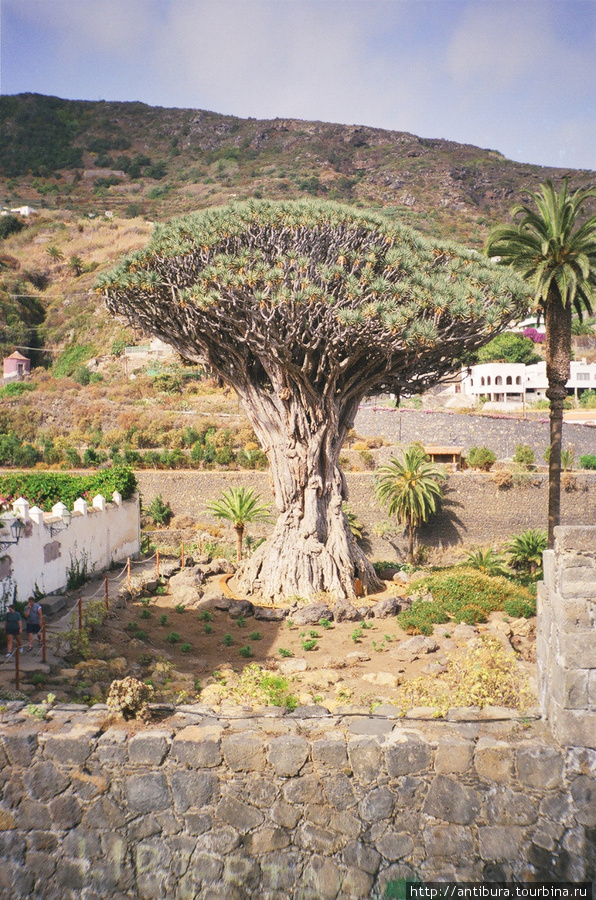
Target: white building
[518, 383]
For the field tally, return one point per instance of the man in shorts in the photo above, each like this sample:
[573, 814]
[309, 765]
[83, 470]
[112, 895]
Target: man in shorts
[34, 619]
[13, 625]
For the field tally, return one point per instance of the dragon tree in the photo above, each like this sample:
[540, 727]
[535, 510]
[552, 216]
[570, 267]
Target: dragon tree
[305, 308]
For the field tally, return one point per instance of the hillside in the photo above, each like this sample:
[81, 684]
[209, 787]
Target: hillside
[99, 174]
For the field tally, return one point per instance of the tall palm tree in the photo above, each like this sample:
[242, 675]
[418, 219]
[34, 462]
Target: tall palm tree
[556, 253]
[410, 488]
[240, 507]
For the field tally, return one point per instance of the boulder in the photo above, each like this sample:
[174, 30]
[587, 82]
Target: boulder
[311, 614]
[240, 609]
[187, 586]
[415, 647]
[343, 611]
[219, 566]
[270, 613]
[389, 606]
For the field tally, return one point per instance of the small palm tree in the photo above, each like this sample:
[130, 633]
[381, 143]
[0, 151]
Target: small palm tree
[525, 550]
[411, 489]
[55, 253]
[489, 562]
[240, 506]
[76, 265]
[556, 253]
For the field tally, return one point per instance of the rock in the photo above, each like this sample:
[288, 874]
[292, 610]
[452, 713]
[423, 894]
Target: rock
[384, 679]
[311, 614]
[217, 599]
[240, 609]
[291, 666]
[402, 577]
[270, 613]
[357, 656]
[52, 604]
[219, 566]
[187, 586]
[415, 647]
[463, 632]
[389, 606]
[343, 611]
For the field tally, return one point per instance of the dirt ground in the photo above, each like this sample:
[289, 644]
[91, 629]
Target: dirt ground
[199, 654]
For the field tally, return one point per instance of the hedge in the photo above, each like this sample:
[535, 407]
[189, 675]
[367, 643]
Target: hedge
[44, 489]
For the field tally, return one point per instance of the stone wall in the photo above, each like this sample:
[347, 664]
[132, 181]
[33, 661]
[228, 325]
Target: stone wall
[566, 637]
[285, 807]
[476, 512]
[500, 433]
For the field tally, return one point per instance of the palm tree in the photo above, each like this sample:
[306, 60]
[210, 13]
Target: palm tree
[410, 488]
[556, 254]
[489, 562]
[525, 550]
[240, 507]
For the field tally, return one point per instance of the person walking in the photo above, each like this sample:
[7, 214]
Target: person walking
[13, 625]
[34, 619]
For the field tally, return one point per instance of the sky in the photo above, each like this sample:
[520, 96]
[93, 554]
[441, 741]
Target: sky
[517, 76]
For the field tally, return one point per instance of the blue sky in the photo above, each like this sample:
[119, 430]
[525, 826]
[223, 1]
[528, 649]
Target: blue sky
[518, 76]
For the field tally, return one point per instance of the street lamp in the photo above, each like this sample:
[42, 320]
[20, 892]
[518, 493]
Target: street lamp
[65, 517]
[16, 528]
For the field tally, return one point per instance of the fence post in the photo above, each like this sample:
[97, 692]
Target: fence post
[17, 664]
[157, 562]
[107, 594]
[43, 642]
[128, 573]
[80, 613]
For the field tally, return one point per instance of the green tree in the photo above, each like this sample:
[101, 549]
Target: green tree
[556, 253]
[55, 253]
[512, 348]
[411, 489]
[240, 506]
[76, 265]
[304, 308]
[488, 561]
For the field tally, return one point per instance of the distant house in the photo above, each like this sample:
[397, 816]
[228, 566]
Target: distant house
[16, 366]
[23, 210]
[518, 383]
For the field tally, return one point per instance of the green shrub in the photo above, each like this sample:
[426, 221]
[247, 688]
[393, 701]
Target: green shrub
[173, 637]
[524, 456]
[463, 595]
[186, 648]
[44, 489]
[160, 511]
[16, 388]
[588, 399]
[481, 458]
[588, 461]
[246, 652]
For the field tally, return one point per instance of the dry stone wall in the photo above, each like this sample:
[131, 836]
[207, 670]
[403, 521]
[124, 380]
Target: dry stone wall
[476, 512]
[302, 806]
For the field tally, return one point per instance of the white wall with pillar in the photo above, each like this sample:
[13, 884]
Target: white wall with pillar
[50, 545]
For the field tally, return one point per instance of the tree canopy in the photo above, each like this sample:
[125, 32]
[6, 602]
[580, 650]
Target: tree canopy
[304, 308]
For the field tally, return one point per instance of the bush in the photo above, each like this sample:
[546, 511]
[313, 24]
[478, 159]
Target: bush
[160, 511]
[481, 458]
[10, 225]
[524, 456]
[44, 489]
[588, 461]
[588, 399]
[463, 595]
[129, 697]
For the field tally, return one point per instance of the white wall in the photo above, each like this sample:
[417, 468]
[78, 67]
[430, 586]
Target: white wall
[100, 534]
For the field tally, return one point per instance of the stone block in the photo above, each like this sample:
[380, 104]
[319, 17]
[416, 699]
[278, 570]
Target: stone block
[193, 788]
[44, 781]
[406, 756]
[41, 865]
[288, 754]
[368, 726]
[448, 841]
[592, 689]
[323, 877]
[149, 748]
[285, 814]
[112, 748]
[345, 823]
[571, 616]
[330, 753]
[267, 840]
[219, 840]
[377, 804]
[452, 802]
[453, 756]
[339, 791]
[539, 766]
[82, 843]
[574, 728]
[20, 746]
[574, 537]
[505, 806]
[302, 789]
[365, 757]
[66, 812]
[493, 760]
[104, 815]
[32, 814]
[73, 747]
[569, 687]
[578, 583]
[583, 791]
[577, 651]
[244, 752]
[280, 871]
[499, 843]
[315, 839]
[242, 871]
[394, 845]
[239, 815]
[362, 856]
[198, 746]
[356, 884]
[147, 793]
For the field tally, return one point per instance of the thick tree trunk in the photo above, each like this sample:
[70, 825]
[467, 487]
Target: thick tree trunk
[312, 548]
[558, 366]
[410, 542]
